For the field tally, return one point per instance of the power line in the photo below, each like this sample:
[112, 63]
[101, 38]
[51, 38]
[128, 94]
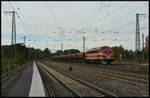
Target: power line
[120, 26]
[29, 17]
[96, 15]
[91, 15]
[54, 18]
[20, 11]
[121, 17]
[98, 12]
[124, 15]
[22, 15]
[125, 25]
[18, 17]
[38, 20]
[114, 11]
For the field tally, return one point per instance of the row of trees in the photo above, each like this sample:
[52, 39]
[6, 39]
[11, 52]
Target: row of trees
[129, 54]
[121, 53]
[66, 52]
[24, 54]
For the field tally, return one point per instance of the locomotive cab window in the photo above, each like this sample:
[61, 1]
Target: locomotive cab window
[103, 49]
[92, 52]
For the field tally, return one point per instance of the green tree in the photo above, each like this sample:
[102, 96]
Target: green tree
[58, 52]
[47, 52]
[5, 62]
[71, 51]
[146, 48]
[117, 51]
[125, 53]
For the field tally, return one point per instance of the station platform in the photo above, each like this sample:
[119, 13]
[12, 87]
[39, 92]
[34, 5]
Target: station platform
[29, 84]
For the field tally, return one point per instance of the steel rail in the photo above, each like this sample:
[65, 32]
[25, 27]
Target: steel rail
[47, 86]
[96, 89]
[74, 93]
[130, 78]
[49, 90]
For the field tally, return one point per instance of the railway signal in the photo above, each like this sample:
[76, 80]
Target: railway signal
[127, 67]
[100, 66]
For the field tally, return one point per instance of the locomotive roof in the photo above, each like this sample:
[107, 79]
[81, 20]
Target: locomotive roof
[96, 48]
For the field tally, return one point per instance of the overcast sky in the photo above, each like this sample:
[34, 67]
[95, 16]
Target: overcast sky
[48, 24]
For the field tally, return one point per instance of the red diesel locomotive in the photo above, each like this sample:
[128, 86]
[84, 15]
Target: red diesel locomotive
[100, 54]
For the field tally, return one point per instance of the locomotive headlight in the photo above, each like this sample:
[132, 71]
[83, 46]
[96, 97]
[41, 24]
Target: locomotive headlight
[110, 56]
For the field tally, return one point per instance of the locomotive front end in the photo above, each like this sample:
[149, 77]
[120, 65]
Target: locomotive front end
[107, 51]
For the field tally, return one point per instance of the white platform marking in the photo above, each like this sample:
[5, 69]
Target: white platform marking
[37, 88]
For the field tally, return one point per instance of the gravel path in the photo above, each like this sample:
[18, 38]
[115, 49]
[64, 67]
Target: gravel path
[22, 85]
[112, 85]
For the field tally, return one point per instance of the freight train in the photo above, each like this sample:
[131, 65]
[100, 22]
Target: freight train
[96, 55]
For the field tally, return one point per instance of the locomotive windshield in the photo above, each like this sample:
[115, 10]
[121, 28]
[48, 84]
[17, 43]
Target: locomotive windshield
[103, 48]
[92, 51]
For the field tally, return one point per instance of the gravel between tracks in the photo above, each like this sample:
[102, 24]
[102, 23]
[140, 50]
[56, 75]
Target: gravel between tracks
[78, 87]
[117, 87]
[56, 87]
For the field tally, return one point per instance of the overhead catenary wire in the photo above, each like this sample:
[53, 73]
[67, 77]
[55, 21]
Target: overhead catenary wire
[27, 24]
[113, 27]
[50, 11]
[116, 22]
[95, 16]
[18, 17]
[43, 22]
[113, 30]
[88, 19]
[124, 16]
[28, 17]
[115, 10]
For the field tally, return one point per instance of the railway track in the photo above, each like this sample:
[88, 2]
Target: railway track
[134, 68]
[47, 87]
[49, 90]
[125, 78]
[76, 87]
[128, 78]
[112, 72]
[143, 69]
[111, 68]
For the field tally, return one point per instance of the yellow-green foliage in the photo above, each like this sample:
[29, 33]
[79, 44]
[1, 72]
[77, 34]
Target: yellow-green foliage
[5, 63]
[46, 58]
